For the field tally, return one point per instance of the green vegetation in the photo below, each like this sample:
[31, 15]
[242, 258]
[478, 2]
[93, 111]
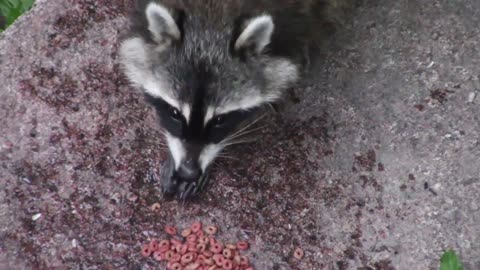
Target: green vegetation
[10, 10]
[450, 261]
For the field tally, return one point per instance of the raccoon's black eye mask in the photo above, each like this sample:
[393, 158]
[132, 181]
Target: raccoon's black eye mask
[216, 129]
[171, 118]
[221, 126]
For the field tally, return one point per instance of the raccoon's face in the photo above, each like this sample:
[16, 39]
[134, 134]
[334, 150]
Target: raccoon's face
[207, 82]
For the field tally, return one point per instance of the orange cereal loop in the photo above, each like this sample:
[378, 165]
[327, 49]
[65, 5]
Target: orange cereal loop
[146, 251]
[208, 261]
[201, 258]
[192, 249]
[176, 266]
[168, 255]
[193, 266]
[163, 249]
[244, 261]
[298, 253]
[231, 246]
[212, 241]
[171, 230]
[153, 245]
[236, 259]
[175, 242]
[176, 258]
[200, 233]
[216, 248]
[186, 232]
[197, 226]
[242, 245]
[158, 255]
[201, 247]
[227, 253]
[205, 240]
[227, 264]
[163, 246]
[164, 243]
[183, 249]
[155, 207]
[218, 259]
[207, 254]
[187, 258]
[211, 230]
[192, 238]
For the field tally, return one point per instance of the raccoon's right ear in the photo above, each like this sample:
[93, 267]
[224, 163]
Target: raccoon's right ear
[161, 24]
[252, 35]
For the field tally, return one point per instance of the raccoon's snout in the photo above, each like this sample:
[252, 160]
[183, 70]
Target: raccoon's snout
[189, 171]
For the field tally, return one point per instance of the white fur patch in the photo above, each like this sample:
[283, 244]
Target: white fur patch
[209, 153]
[186, 112]
[247, 102]
[209, 115]
[160, 89]
[160, 22]
[133, 56]
[176, 149]
[258, 32]
[280, 73]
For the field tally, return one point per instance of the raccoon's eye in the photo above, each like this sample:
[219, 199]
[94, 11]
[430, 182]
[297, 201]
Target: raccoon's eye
[218, 121]
[175, 114]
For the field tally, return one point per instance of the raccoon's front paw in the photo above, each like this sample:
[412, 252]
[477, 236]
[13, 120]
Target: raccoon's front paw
[168, 183]
[174, 186]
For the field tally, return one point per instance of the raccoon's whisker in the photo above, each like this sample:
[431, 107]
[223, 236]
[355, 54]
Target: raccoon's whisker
[246, 132]
[238, 142]
[228, 157]
[249, 125]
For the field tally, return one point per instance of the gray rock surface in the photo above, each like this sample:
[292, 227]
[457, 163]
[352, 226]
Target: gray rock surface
[376, 168]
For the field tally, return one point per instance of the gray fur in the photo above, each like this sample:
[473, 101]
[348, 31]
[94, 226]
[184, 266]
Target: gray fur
[206, 41]
[216, 61]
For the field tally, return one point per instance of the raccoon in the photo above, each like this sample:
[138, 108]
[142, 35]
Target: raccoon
[210, 68]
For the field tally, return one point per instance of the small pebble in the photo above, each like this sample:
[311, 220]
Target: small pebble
[36, 217]
[132, 197]
[471, 97]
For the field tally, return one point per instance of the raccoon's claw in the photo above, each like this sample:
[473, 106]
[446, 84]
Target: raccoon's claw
[186, 191]
[202, 182]
[168, 182]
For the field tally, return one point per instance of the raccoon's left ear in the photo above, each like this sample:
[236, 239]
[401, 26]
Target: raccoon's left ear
[161, 24]
[255, 35]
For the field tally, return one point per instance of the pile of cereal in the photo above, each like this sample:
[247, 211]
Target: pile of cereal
[196, 248]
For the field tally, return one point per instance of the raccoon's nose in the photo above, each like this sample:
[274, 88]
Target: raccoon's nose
[189, 171]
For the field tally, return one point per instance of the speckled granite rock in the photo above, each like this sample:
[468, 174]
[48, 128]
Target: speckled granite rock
[377, 168]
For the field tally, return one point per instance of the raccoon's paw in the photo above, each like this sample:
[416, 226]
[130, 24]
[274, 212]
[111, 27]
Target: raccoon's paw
[167, 180]
[188, 190]
[173, 186]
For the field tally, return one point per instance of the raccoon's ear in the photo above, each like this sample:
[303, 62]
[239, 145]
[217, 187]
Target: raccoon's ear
[161, 24]
[255, 35]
